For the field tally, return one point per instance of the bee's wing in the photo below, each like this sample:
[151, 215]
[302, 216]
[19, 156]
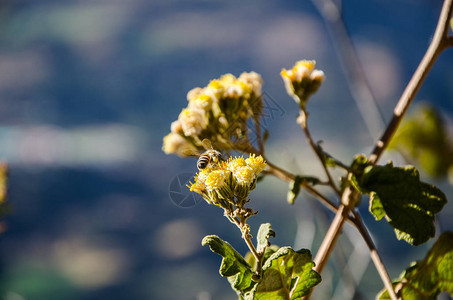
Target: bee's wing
[206, 143]
[191, 152]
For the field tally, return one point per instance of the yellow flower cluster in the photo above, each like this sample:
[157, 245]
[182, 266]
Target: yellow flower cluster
[302, 80]
[218, 112]
[229, 183]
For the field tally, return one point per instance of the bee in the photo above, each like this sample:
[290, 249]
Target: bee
[210, 157]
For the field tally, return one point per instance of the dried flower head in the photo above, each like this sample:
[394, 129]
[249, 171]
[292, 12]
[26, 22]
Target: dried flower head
[220, 111]
[175, 143]
[193, 121]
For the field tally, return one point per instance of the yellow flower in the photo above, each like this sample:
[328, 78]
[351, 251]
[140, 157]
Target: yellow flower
[244, 175]
[302, 80]
[216, 179]
[201, 176]
[257, 163]
[193, 121]
[176, 127]
[254, 80]
[193, 93]
[202, 101]
[235, 163]
[197, 187]
[219, 111]
[227, 78]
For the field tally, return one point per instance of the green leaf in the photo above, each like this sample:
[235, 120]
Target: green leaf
[233, 264]
[294, 189]
[423, 140]
[426, 279]
[264, 233]
[250, 259]
[376, 207]
[294, 186]
[408, 204]
[287, 274]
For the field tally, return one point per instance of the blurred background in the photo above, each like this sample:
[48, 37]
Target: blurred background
[88, 89]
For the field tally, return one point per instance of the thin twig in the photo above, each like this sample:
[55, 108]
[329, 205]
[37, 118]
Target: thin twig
[302, 120]
[287, 176]
[349, 195]
[380, 267]
[246, 236]
[448, 42]
[437, 45]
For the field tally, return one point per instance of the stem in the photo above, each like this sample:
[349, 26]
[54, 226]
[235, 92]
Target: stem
[334, 230]
[439, 43]
[349, 196]
[375, 257]
[287, 176]
[302, 120]
[246, 236]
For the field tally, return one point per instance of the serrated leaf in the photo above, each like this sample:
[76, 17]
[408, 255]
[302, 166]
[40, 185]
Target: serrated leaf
[264, 233]
[376, 207]
[233, 264]
[409, 204]
[426, 279]
[287, 274]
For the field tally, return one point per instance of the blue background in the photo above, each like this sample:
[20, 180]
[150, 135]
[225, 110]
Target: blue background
[88, 89]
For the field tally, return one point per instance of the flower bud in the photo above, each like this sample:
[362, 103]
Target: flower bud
[302, 81]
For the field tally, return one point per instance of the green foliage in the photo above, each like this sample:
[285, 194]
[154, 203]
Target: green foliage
[408, 204]
[233, 265]
[294, 186]
[426, 279]
[287, 274]
[294, 189]
[250, 259]
[264, 233]
[423, 139]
